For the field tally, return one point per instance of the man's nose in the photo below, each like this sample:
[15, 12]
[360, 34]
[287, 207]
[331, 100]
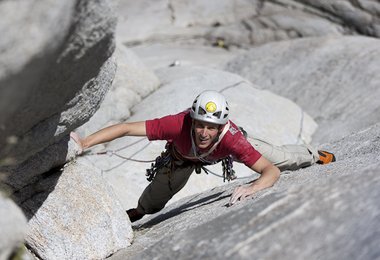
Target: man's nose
[203, 132]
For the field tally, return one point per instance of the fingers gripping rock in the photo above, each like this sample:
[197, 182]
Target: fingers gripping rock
[74, 147]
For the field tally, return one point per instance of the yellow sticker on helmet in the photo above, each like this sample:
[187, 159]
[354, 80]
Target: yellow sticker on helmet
[210, 107]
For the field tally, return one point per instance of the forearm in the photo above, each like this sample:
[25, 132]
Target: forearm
[269, 174]
[268, 178]
[113, 132]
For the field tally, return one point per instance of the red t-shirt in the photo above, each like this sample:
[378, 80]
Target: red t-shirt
[176, 129]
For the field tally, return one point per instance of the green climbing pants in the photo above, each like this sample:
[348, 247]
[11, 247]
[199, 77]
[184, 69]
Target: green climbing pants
[165, 184]
[168, 182]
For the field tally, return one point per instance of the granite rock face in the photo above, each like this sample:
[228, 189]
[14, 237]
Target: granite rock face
[13, 227]
[334, 79]
[79, 219]
[208, 33]
[58, 71]
[243, 23]
[62, 68]
[58, 65]
[133, 81]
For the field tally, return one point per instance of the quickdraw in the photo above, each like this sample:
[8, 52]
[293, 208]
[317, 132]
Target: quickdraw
[228, 171]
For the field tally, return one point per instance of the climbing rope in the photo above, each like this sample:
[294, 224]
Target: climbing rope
[228, 172]
[110, 153]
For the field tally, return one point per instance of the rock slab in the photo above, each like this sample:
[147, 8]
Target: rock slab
[79, 219]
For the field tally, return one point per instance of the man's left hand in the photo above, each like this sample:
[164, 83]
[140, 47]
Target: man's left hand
[241, 193]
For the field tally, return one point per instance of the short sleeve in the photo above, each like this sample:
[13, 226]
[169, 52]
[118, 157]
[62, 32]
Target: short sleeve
[244, 152]
[164, 128]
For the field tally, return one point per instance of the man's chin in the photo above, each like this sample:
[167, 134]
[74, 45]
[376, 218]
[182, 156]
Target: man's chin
[203, 145]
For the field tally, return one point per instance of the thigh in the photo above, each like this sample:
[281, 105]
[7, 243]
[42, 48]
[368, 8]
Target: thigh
[273, 153]
[165, 184]
[285, 157]
[179, 177]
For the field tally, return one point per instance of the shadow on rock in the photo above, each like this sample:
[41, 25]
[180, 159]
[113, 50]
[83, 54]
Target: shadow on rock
[31, 182]
[185, 207]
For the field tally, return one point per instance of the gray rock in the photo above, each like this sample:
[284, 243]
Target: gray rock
[363, 15]
[133, 81]
[159, 55]
[275, 21]
[32, 32]
[13, 227]
[334, 79]
[182, 21]
[58, 68]
[243, 23]
[62, 77]
[320, 212]
[137, 19]
[199, 12]
[31, 170]
[75, 216]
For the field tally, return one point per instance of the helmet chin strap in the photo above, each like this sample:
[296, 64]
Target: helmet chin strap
[216, 142]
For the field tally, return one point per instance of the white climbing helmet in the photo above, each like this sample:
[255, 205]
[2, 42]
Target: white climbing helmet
[210, 106]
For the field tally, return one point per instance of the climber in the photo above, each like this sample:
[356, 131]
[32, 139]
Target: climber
[204, 135]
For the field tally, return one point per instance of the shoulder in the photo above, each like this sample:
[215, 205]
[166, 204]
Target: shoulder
[239, 147]
[167, 127]
[233, 137]
[234, 130]
[181, 116]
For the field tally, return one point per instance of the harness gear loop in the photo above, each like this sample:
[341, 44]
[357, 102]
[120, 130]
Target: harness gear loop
[163, 160]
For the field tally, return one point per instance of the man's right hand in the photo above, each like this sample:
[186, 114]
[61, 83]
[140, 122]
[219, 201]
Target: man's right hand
[78, 141]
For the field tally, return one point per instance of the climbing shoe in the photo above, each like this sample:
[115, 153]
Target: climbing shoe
[325, 157]
[134, 215]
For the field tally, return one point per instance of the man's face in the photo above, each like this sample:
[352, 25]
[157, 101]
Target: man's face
[205, 133]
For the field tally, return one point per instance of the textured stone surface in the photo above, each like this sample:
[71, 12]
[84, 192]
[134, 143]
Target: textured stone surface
[56, 68]
[334, 79]
[159, 55]
[13, 227]
[34, 32]
[320, 212]
[243, 23]
[133, 81]
[64, 74]
[75, 216]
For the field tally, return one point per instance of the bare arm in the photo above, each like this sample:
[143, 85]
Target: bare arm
[269, 175]
[111, 133]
